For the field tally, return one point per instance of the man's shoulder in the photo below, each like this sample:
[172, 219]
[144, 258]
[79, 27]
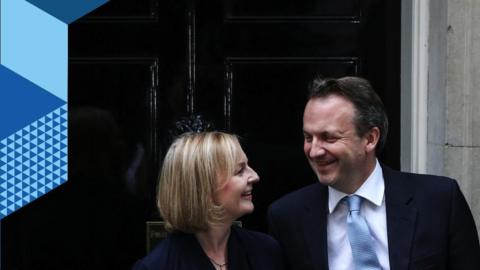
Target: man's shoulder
[387, 171]
[416, 181]
[300, 198]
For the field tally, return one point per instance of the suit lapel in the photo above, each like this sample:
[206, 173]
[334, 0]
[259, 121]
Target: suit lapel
[315, 229]
[401, 216]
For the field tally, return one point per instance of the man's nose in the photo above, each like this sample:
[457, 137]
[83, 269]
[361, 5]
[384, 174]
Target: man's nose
[316, 149]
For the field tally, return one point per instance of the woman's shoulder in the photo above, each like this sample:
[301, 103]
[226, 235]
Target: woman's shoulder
[264, 251]
[256, 239]
[164, 253]
[156, 257]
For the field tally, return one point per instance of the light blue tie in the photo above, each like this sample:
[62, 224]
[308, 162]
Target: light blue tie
[364, 257]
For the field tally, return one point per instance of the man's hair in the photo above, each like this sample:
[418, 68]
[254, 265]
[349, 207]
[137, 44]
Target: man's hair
[195, 165]
[369, 109]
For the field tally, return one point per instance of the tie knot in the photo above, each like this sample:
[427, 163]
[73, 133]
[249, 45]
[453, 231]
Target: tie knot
[354, 202]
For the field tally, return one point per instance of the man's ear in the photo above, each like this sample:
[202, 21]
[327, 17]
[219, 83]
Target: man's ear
[372, 138]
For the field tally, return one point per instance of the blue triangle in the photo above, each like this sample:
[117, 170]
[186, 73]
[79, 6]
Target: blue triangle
[25, 166]
[41, 180]
[17, 171]
[19, 186]
[34, 194]
[34, 149]
[34, 185]
[57, 180]
[11, 163]
[11, 207]
[18, 202]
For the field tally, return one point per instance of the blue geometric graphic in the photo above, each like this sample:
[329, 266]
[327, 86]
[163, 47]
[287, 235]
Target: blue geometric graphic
[68, 10]
[33, 161]
[24, 100]
[36, 48]
[33, 96]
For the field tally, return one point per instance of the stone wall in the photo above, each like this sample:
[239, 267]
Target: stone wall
[461, 155]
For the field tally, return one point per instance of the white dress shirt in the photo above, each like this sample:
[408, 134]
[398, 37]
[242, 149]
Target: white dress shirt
[372, 209]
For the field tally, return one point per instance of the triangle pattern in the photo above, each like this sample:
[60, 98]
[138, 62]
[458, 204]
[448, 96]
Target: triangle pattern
[33, 161]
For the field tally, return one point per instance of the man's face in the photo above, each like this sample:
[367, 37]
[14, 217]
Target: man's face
[339, 157]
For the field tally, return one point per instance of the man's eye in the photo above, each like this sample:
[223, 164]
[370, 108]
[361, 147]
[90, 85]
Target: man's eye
[308, 139]
[331, 139]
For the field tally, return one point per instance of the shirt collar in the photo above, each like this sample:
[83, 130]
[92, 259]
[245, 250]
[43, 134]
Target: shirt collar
[372, 189]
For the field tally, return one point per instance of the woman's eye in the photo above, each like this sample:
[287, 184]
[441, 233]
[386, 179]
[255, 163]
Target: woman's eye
[240, 171]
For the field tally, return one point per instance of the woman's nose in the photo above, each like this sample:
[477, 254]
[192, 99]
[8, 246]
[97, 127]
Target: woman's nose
[253, 178]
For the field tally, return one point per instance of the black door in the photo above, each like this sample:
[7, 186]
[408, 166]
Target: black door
[254, 59]
[138, 66]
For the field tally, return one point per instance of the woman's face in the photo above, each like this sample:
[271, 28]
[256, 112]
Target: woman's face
[235, 194]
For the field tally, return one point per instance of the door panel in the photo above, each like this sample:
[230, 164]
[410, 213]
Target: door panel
[268, 56]
[293, 39]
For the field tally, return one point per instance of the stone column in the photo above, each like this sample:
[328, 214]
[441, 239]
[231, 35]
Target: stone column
[462, 127]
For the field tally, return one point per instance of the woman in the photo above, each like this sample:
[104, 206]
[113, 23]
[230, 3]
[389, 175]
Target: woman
[205, 185]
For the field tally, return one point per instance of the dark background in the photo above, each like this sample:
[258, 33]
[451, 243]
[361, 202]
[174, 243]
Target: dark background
[138, 66]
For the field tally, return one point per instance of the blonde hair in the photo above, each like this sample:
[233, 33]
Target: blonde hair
[194, 166]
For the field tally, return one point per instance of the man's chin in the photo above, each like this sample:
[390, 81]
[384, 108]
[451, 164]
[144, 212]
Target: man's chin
[327, 180]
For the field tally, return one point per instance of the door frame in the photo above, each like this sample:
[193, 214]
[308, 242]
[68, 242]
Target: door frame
[415, 31]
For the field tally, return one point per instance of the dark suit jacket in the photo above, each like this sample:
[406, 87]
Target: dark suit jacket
[429, 224]
[246, 250]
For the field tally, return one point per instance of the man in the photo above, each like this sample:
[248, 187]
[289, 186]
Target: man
[400, 221]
